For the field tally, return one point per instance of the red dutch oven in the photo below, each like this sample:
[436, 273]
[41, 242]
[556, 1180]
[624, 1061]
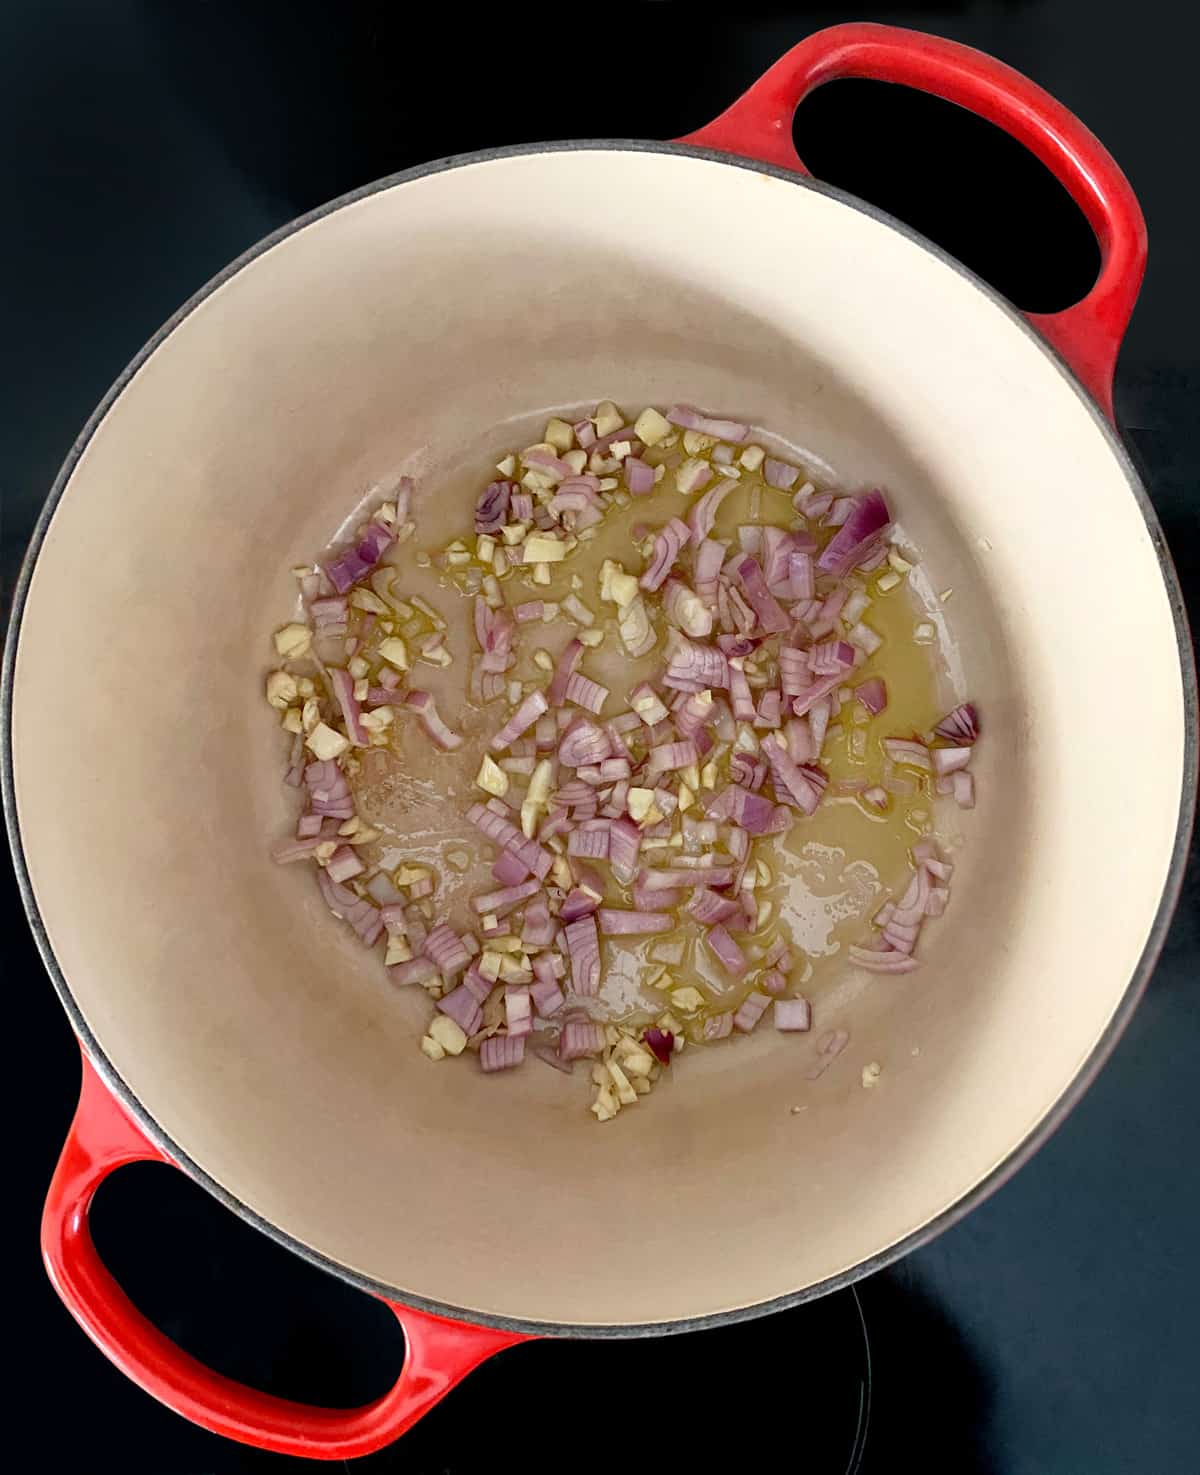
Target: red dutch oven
[229, 1030]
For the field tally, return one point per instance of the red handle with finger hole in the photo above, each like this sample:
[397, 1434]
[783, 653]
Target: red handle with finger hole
[439, 1352]
[1088, 335]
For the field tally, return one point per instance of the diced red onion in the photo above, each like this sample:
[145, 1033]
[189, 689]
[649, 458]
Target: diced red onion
[667, 545]
[624, 843]
[709, 560]
[872, 695]
[858, 535]
[583, 743]
[831, 657]
[648, 705]
[491, 509]
[343, 864]
[660, 1043]
[589, 840]
[793, 1014]
[583, 948]
[501, 1052]
[703, 514]
[820, 689]
[726, 951]
[424, 705]
[586, 693]
[964, 790]
[518, 1012]
[950, 760]
[750, 1011]
[620, 922]
[343, 690]
[415, 970]
[448, 951]
[689, 418]
[567, 662]
[639, 477]
[463, 1007]
[503, 902]
[793, 784]
[779, 474]
[718, 1026]
[353, 563]
[695, 668]
[961, 725]
[691, 476]
[770, 615]
[668, 757]
[904, 750]
[580, 1037]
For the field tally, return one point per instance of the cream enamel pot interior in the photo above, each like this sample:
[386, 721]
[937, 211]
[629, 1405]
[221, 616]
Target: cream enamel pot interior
[413, 327]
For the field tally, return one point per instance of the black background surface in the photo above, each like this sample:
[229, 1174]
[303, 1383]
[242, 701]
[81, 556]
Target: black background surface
[145, 145]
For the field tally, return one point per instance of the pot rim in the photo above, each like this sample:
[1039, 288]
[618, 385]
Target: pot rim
[928, 1231]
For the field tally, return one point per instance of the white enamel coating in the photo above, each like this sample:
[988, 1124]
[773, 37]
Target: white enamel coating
[402, 330]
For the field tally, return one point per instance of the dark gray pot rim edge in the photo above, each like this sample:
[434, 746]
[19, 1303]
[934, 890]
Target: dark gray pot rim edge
[928, 1231]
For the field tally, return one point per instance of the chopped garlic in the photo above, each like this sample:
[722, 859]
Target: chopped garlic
[448, 1033]
[576, 460]
[871, 1074]
[591, 637]
[560, 873]
[626, 1095]
[899, 563]
[306, 686]
[292, 721]
[695, 442]
[357, 667]
[540, 548]
[507, 466]
[489, 965]
[708, 776]
[282, 689]
[394, 652]
[607, 418]
[578, 611]
[540, 782]
[514, 533]
[686, 798]
[605, 1105]
[543, 660]
[558, 435]
[924, 633]
[888, 581]
[491, 778]
[485, 547]
[293, 641]
[752, 457]
[638, 1062]
[639, 802]
[512, 971]
[379, 719]
[687, 999]
[365, 600]
[361, 687]
[430, 1047]
[326, 743]
[690, 776]
[398, 950]
[651, 427]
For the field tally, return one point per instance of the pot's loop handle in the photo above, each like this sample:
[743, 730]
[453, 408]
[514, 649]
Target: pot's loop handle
[439, 1352]
[1088, 335]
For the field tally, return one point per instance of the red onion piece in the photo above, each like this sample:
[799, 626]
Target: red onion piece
[726, 951]
[567, 662]
[463, 1007]
[815, 693]
[668, 757]
[353, 563]
[583, 743]
[424, 705]
[639, 477]
[580, 1037]
[831, 657]
[503, 902]
[695, 668]
[522, 719]
[770, 615]
[501, 1052]
[949, 760]
[344, 864]
[964, 790]
[416, 970]
[667, 545]
[660, 1043]
[750, 1011]
[343, 691]
[710, 557]
[590, 839]
[586, 693]
[793, 784]
[624, 843]
[583, 947]
[904, 750]
[960, 726]
[518, 1012]
[793, 1014]
[857, 537]
[620, 922]
[703, 515]
[689, 418]
[491, 509]
[872, 695]
[779, 474]
[448, 951]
